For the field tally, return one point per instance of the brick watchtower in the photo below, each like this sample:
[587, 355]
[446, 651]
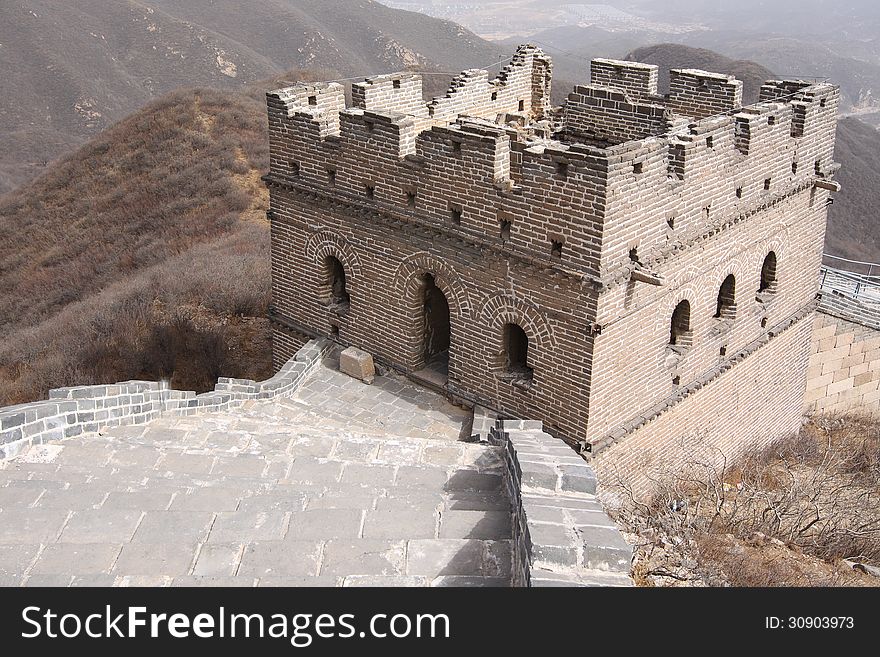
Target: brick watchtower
[631, 268]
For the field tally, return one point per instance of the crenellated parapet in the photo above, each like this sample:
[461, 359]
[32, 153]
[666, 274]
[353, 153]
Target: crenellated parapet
[464, 160]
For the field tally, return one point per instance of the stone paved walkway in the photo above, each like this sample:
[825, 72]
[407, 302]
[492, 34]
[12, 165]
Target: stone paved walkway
[341, 484]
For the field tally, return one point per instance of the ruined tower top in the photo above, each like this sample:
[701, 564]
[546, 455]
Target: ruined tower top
[572, 164]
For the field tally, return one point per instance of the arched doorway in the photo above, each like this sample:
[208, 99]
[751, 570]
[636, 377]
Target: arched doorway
[435, 310]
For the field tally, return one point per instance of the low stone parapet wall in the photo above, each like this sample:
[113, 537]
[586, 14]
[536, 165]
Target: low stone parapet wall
[561, 534]
[84, 409]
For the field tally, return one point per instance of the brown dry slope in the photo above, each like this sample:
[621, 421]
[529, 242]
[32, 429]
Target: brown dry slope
[72, 68]
[142, 254]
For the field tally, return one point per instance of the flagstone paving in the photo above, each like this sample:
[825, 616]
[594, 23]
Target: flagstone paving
[341, 484]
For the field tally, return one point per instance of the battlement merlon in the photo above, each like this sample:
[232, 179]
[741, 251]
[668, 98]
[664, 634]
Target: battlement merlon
[633, 77]
[700, 94]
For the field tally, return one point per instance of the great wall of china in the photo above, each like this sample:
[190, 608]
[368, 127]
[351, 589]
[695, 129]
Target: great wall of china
[592, 287]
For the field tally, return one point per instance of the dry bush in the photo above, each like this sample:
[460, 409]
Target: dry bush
[807, 501]
[189, 319]
[147, 189]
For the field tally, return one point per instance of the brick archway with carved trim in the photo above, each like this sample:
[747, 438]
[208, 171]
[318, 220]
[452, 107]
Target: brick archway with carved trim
[408, 281]
[501, 310]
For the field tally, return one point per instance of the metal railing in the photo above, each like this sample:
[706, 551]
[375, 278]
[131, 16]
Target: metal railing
[870, 269]
[852, 278]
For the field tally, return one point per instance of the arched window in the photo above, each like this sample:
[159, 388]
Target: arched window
[680, 334]
[726, 306]
[339, 298]
[516, 351]
[768, 274]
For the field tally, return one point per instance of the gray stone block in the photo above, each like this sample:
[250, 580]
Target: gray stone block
[475, 524]
[155, 559]
[364, 556]
[189, 527]
[419, 477]
[280, 559]
[218, 559]
[380, 581]
[578, 479]
[473, 480]
[325, 524]
[400, 523]
[101, 526]
[244, 526]
[540, 476]
[432, 558]
[457, 581]
[358, 364]
[308, 470]
[76, 558]
[15, 560]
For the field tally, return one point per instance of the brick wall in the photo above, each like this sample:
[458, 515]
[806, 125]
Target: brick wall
[633, 77]
[755, 402]
[844, 372]
[85, 409]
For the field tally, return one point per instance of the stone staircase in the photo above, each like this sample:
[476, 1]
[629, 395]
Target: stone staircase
[341, 484]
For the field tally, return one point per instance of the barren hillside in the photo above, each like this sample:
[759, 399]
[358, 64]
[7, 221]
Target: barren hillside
[142, 254]
[73, 68]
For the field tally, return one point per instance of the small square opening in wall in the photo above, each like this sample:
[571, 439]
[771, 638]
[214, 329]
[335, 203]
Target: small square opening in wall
[763, 322]
[771, 120]
[455, 212]
[634, 254]
[707, 211]
[411, 198]
[676, 381]
[294, 169]
[739, 192]
[723, 350]
[395, 84]
[562, 169]
[710, 142]
[823, 102]
[370, 126]
[670, 221]
[456, 147]
[767, 182]
[334, 331]
[522, 106]
[370, 191]
[794, 167]
[505, 229]
[494, 96]
[313, 100]
[331, 176]
[556, 248]
[638, 167]
[817, 167]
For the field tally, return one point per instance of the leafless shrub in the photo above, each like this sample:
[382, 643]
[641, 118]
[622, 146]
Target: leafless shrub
[815, 493]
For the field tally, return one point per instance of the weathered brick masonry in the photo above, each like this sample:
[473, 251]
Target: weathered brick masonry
[618, 268]
[844, 372]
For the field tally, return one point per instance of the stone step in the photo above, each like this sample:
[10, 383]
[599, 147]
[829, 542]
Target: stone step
[547, 578]
[422, 558]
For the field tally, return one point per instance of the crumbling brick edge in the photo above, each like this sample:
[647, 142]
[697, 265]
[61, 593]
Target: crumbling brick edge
[84, 409]
[562, 536]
